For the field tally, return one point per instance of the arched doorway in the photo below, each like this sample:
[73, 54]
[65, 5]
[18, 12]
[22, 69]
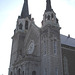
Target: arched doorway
[23, 73]
[34, 73]
[18, 72]
[11, 73]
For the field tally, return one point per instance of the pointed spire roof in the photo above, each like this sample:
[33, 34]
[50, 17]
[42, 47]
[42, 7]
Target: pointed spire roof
[48, 6]
[25, 10]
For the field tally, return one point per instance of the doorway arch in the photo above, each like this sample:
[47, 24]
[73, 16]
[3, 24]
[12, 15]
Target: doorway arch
[34, 73]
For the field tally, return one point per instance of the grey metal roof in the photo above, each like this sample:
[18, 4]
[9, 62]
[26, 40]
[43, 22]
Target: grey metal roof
[67, 40]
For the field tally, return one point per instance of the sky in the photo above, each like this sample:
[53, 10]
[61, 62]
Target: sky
[11, 9]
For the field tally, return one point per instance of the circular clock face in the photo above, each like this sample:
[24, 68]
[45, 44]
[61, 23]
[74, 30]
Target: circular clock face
[31, 47]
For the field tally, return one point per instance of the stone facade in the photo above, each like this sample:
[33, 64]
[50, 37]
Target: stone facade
[40, 51]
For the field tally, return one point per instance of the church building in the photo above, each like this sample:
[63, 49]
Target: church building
[41, 51]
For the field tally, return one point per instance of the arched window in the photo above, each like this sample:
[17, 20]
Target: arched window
[56, 71]
[45, 46]
[51, 15]
[14, 74]
[55, 47]
[26, 24]
[45, 17]
[20, 26]
[20, 52]
[23, 73]
[48, 17]
[34, 73]
[56, 20]
[11, 73]
[45, 72]
[66, 66]
[19, 72]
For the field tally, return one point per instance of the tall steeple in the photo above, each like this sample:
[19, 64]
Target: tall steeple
[49, 16]
[48, 6]
[25, 10]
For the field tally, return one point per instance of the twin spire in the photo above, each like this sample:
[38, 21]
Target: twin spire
[48, 6]
[25, 9]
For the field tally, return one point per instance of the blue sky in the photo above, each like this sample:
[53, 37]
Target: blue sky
[10, 10]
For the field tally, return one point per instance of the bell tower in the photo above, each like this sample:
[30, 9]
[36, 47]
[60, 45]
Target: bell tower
[51, 56]
[22, 27]
[25, 53]
[17, 52]
[49, 16]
